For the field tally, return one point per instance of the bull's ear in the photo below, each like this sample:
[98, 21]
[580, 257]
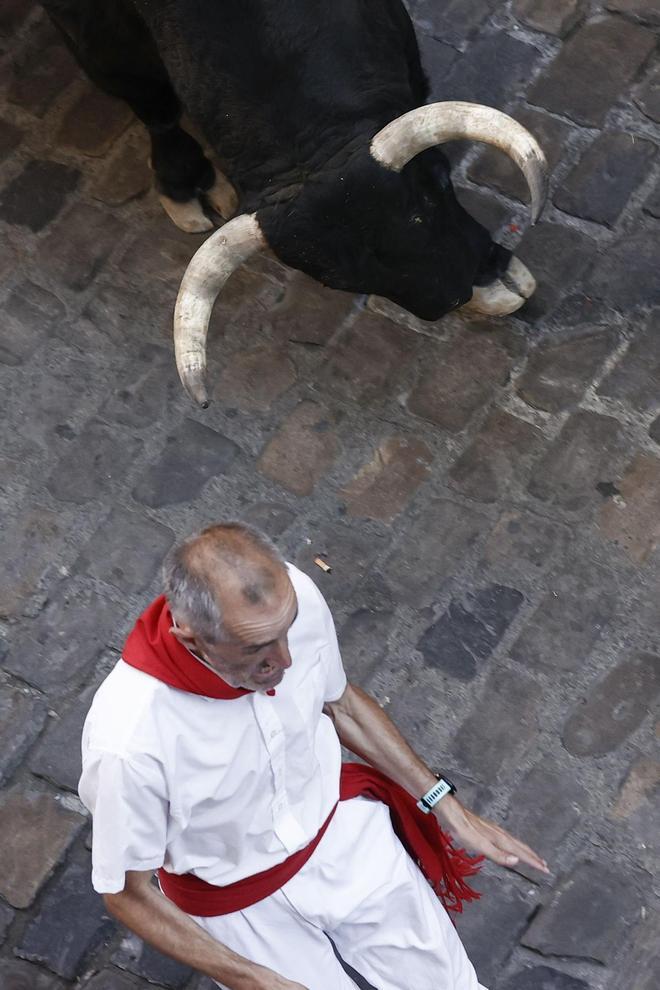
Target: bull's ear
[207, 272]
[399, 141]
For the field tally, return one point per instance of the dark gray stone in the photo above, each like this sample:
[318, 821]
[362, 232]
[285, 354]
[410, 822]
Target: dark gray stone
[640, 968]
[149, 386]
[442, 536]
[575, 85]
[130, 318]
[42, 71]
[543, 978]
[71, 923]
[6, 918]
[570, 618]
[12, 16]
[29, 315]
[112, 979]
[452, 21]
[483, 206]
[71, 632]
[485, 743]
[559, 371]
[58, 756]
[191, 456]
[10, 138]
[614, 708]
[273, 518]
[608, 173]
[626, 275]
[494, 68]
[552, 16]
[654, 430]
[467, 633]
[78, 245]
[363, 642]
[558, 257]
[524, 539]
[137, 957]
[652, 204]
[646, 11]
[34, 539]
[589, 916]
[437, 59]
[648, 97]
[93, 123]
[501, 454]
[634, 380]
[367, 359]
[126, 550]
[97, 458]
[350, 552]
[587, 451]
[22, 717]
[491, 928]
[37, 194]
[16, 975]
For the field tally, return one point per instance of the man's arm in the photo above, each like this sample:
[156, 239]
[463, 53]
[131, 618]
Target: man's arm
[141, 907]
[365, 729]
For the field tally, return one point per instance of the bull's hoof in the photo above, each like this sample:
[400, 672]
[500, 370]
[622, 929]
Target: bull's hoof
[222, 196]
[503, 296]
[188, 216]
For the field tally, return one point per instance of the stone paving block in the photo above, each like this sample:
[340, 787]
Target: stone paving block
[22, 717]
[586, 452]
[126, 550]
[589, 916]
[79, 245]
[652, 204]
[437, 58]
[363, 642]
[558, 257]
[632, 520]
[639, 788]
[384, 486]
[484, 743]
[522, 538]
[574, 84]
[137, 957]
[640, 968]
[615, 707]
[36, 831]
[435, 545]
[464, 637]
[559, 371]
[29, 549]
[158, 254]
[647, 97]
[634, 379]
[16, 975]
[37, 194]
[252, 380]
[495, 67]
[29, 314]
[646, 11]
[546, 805]
[483, 206]
[126, 175]
[13, 15]
[609, 171]
[309, 431]
[349, 551]
[638, 808]
[365, 362]
[191, 457]
[71, 923]
[654, 430]
[10, 137]
[491, 928]
[57, 757]
[65, 638]
[626, 275]
[149, 386]
[500, 454]
[98, 457]
[453, 21]
[552, 16]
[271, 517]
[459, 378]
[569, 620]
[93, 123]
[130, 318]
[42, 72]
[494, 168]
[6, 918]
[111, 979]
[309, 313]
[543, 978]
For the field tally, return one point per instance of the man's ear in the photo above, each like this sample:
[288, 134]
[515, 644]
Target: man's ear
[185, 636]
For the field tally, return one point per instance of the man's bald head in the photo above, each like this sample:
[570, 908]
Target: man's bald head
[223, 569]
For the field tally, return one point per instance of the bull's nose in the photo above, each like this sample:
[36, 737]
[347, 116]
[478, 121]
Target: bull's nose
[503, 296]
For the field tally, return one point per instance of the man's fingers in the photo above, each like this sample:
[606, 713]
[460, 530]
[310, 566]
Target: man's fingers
[518, 850]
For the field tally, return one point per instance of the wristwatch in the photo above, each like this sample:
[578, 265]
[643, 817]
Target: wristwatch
[429, 800]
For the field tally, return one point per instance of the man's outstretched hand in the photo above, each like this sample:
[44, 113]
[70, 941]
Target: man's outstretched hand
[482, 836]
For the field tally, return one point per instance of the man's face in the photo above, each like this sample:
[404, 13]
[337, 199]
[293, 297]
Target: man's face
[255, 653]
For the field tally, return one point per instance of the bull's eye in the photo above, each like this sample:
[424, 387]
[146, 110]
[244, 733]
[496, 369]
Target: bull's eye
[417, 218]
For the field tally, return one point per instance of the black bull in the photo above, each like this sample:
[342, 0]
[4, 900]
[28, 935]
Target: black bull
[294, 97]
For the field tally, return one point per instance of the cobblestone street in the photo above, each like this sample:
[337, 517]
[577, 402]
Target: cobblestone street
[486, 493]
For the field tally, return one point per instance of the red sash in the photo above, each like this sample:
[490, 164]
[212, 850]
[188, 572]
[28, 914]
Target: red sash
[152, 648]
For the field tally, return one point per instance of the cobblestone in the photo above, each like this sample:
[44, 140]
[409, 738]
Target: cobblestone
[42, 72]
[559, 371]
[453, 21]
[574, 83]
[37, 194]
[543, 978]
[57, 756]
[626, 276]
[30, 313]
[500, 454]
[493, 66]
[110, 979]
[348, 550]
[632, 520]
[309, 431]
[37, 832]
[363, 641]
[79, 245]
[644, 10]
[648, 96]
[364, 363]
[10, 137]
[23, 976]
[384, 485]
[31, 545]
[253, 380]
[126, 550]
[22, 717]
[139, 958]
[125, 176]
[522, 539]
[562, 255]
[616, 706]
[634, 378]
[93, 123]
[554, 16]
[95, 459]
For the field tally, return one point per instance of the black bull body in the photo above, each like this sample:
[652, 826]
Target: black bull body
[316, 114]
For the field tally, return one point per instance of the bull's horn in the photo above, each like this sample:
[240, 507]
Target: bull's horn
[425, 127]
[207, 272]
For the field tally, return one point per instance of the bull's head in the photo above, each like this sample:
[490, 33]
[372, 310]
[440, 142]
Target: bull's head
[393, 231]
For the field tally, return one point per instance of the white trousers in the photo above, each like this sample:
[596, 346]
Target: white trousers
[363, 890]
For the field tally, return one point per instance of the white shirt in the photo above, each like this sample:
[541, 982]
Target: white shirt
[221, 789]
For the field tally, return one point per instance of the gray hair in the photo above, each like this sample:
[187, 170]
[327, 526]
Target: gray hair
[187, 584]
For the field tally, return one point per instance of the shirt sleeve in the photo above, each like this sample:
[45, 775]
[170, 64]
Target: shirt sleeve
[127, 798]
[335, 683]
